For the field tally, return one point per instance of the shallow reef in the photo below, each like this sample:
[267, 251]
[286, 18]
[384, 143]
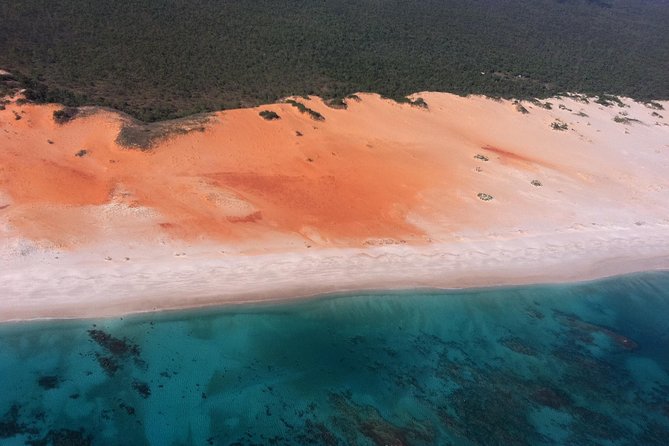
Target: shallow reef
[578, 364]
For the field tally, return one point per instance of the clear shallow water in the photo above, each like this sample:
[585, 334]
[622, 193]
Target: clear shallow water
[570, 364]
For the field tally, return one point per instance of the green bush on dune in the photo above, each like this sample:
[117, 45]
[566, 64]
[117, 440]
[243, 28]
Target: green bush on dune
[269, 115]
[304, 109]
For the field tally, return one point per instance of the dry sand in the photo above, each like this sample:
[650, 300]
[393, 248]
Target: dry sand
[379, 195]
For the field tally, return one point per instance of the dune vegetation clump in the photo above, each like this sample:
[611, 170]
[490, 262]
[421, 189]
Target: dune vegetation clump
[622, 118]
[484, 196]
[608, 100]
[418, 102]
[544, 105]
[304, 109]
[338, 103]
[269, 115]
[559, 125]
[65, 115]
[654, 105]
[520, 108]
[143, 136]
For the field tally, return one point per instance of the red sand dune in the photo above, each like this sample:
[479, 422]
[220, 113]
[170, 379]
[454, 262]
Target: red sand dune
[378, 170]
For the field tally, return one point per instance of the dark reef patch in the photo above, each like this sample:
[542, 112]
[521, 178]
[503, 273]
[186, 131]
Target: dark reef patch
[64, 437]
[48, 382]
[10, 426]
[115, 346]
[142, 389]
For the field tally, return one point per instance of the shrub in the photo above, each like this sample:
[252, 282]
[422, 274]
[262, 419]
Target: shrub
[484, 197]
[338, 103]
[654, 105]
[419, 102]
[623, 119]
[559, 125]
[304, 109]
[81, 153]
[143, 136]
[536, 183]
[65, 115]
[608, 100]
[269, 115]
[538, 103]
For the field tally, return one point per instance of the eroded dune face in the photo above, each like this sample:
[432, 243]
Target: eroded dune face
[376, 172]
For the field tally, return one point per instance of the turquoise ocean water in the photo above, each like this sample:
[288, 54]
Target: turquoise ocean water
[578, 364]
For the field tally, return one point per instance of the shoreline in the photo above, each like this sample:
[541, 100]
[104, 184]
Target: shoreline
[336, 294]
[204, 281]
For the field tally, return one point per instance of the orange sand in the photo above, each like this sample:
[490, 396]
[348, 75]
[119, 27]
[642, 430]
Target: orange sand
[241, 176]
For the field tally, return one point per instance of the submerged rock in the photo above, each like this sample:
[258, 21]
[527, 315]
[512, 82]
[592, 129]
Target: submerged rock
[115, 346]
[555, 399]
[48, 382]
[142, 388]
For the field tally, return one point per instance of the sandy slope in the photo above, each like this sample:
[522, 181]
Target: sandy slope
[380, 194]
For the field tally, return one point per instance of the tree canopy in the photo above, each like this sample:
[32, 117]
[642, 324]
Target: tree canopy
[159, 59]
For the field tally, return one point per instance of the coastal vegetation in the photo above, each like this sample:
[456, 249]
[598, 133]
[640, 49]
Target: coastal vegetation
[654, 105]
[64, 115]
[418, 102]
[622, 118]
[269, 115]
[608, 100]
[143, 136]
[520, 108]
[559, 125]
[148, 59]
[304, 109]
[337, 103]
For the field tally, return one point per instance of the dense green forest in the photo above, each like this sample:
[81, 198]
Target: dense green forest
[158, 59]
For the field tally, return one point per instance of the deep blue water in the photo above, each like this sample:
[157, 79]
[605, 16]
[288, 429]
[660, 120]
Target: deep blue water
[580, 364]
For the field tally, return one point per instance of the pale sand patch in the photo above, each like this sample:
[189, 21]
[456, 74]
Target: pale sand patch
[381, 195]
[140, 279]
